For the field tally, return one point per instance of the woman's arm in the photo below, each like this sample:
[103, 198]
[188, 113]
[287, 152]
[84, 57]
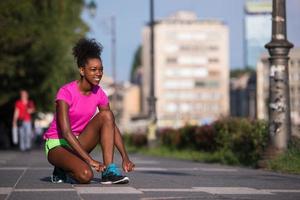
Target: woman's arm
[64, 125]
[15, 117]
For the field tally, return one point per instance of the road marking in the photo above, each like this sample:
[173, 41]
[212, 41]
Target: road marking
[222, 190]
[45, 190]
[164, 198]
[203, 169]
[136, 169]
[150, 169]
[131, 190]
[146, 162]
[218, 170]
[41, 168]
[25, 168]
[230, 190]
[107, 190]
[283, 191]
[13, 168]
[5, 190]
[167, 190]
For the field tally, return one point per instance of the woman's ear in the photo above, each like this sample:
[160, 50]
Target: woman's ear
[81, 71]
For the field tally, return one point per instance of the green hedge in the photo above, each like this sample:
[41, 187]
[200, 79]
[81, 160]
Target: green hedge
[230, 140]
[245, 138]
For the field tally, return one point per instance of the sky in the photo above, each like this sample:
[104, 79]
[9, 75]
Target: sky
[132, 15]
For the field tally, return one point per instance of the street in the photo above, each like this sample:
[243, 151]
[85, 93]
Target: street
[26, 176]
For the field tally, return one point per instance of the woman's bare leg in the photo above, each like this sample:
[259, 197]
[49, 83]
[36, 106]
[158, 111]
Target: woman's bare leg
[67, 160]
[100, 130]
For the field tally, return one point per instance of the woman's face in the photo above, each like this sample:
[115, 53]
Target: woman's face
[93, 71]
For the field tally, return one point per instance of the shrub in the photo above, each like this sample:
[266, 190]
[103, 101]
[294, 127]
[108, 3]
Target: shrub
[204, 138]
[169, 137]
[135, 139]
[230, 140]
[288, 161]
[245, 138]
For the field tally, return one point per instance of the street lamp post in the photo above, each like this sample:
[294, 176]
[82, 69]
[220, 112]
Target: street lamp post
[113, 60]
[152, 99]
[279, 103]
[92, 6]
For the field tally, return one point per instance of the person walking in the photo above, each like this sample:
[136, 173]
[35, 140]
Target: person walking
[24, 107]
[78, 128]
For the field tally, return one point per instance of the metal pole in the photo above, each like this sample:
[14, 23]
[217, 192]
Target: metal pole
[279, 101]
[113, 60]
[152, 98]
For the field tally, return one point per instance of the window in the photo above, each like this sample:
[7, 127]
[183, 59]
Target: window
[214, 73]
[213, 47]
[192, 60]
[171, 60]
[210, 84]
[171, 48]
[191, 36]
[188, 84]
[171, 107]
[213, 60]
[186, 72]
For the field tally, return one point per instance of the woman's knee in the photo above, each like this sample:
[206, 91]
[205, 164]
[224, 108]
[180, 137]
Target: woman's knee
[106, 116]
[84, 175]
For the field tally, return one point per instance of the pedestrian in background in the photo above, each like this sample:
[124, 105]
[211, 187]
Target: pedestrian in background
[24, 107]
[77, 128]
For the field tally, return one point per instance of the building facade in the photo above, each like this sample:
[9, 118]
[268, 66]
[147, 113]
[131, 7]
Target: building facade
[243, 96]
[257, 29]
[294, 84]
[191, 70]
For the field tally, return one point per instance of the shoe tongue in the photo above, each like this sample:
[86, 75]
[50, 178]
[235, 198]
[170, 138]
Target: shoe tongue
[112, 165]
[113, 168]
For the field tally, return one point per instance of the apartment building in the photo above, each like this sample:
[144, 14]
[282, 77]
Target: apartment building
[191, 70]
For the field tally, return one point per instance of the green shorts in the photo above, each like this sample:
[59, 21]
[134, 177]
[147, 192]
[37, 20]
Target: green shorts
[52, 143]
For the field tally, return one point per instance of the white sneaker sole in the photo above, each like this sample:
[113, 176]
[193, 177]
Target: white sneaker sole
[121, 181]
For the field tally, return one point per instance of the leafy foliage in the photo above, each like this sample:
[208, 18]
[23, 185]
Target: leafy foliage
[136, 64]
[290, 160]
[238, 72]
[227, 141]
[36, 41]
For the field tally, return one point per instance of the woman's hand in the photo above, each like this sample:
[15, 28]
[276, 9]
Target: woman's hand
[127, 165]
[98, 166]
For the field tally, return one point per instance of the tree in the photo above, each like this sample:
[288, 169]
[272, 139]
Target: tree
[36, 41]
[35, 51]
[136, 64]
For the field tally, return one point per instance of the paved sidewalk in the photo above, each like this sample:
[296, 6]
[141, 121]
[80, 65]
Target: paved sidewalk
[26, 176]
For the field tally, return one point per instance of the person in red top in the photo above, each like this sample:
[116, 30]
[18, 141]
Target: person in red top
[22, 119]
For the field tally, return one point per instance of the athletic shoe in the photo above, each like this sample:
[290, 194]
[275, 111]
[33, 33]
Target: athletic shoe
[58, 176]
[112, 175]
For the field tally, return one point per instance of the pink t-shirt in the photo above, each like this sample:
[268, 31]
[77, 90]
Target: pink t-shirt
[82, 108]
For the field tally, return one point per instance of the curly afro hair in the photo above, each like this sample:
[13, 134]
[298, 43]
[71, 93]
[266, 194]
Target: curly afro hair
[85, 49]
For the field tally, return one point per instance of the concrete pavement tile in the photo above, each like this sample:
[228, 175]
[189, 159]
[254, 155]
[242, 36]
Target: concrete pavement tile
[2, 197]
[107, 190]
[9, 177]
[39, 179]
[44, 196]
[111, 196]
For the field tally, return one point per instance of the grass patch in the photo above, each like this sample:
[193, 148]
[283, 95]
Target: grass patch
[223, 157]
[289, 162]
